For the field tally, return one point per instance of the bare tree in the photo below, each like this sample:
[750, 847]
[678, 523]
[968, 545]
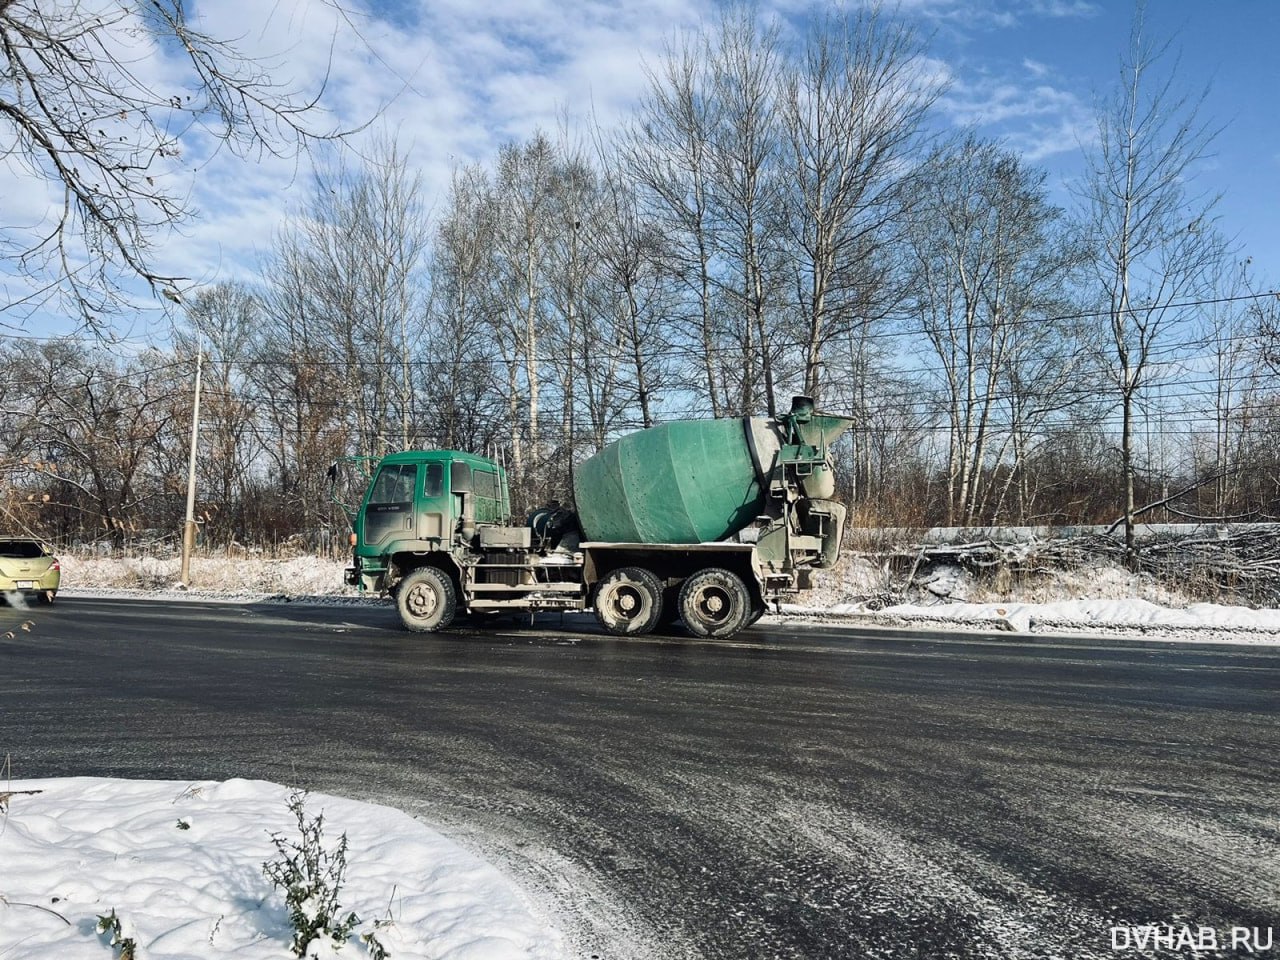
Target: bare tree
[92, 422]
[745, 66]
[852, 111]
[586, 375]
[523, 198]
[991, 271]
[460, 389]
[303, 420]
[86, 119]
[1153, 246]
[359, 249]
[666, 155]
[1236, 373]
[637, 292]
[1265, 312]
[370, 258]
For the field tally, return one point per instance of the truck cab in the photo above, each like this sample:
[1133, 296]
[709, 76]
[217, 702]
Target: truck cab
[432, 532]
[419, 503]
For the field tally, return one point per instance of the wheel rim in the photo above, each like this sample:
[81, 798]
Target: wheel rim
[627, 603]
[422, 601]
[714, 604]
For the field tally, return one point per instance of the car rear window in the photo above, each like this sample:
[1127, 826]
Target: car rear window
[20, 549]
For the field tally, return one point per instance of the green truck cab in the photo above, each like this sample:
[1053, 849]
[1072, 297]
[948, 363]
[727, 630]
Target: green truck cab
[704, 521]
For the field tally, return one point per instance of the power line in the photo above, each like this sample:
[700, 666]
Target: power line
[696, 350]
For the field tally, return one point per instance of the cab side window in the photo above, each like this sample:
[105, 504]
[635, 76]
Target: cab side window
[433, 482]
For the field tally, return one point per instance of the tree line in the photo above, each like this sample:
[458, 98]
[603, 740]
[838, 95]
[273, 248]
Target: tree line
[777, 217]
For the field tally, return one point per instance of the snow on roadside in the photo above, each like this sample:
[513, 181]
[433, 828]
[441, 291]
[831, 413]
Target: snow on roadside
[247, 575]
[1099, 601]
[1130, 618]
[181, 866]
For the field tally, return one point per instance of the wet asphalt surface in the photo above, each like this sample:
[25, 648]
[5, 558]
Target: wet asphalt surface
[799, 792]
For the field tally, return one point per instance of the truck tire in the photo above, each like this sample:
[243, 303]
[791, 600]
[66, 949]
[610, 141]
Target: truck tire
[715, 603]
[629, 601]
[426, 600]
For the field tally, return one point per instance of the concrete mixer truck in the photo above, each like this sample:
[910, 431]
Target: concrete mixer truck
[704, 521]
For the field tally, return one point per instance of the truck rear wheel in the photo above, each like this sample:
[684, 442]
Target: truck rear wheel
[715, 603]
[629, 601]
[426, 600]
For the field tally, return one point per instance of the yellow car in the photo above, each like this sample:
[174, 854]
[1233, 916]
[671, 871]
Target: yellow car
[28, 567]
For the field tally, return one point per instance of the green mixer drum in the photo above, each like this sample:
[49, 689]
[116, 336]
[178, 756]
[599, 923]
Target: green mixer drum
[690, 481]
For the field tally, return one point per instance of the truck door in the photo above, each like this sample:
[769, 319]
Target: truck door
[434, 513]
[388, 513]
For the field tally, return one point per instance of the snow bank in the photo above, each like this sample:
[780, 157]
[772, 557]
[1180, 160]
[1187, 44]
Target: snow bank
[293, 576]
[181, 866]
[1205, 622]
[1097, 600]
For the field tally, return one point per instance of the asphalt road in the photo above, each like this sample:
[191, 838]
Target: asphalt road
[799, 792]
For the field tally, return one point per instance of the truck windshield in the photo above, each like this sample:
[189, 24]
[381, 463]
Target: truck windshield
[394, 484]
[389, 510]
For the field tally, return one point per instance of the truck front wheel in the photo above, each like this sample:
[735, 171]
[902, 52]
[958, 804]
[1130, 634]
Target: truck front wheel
[426, 600]
[629, 601]
[715, 603]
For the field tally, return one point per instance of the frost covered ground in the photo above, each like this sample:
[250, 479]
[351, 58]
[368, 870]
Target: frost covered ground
[1101, 600]
[181, 867]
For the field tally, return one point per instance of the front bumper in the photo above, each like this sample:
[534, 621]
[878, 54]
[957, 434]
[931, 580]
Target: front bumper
[365, 579]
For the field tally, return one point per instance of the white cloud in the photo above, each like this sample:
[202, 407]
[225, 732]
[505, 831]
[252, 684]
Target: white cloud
[1038, 120]
[1035, 67]
[996, 14]
[1065, 8]
[451, 80]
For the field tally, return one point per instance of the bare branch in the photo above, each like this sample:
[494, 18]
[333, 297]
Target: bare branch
[86, 119]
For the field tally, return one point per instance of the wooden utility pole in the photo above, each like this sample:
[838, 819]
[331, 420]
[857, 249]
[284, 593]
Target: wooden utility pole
[189, 528]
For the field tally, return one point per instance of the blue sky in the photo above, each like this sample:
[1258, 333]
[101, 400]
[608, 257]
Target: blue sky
[454, 79]
[1061, 55]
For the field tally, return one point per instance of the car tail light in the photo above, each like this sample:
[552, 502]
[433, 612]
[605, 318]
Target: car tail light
[352, 538]
[56, 565]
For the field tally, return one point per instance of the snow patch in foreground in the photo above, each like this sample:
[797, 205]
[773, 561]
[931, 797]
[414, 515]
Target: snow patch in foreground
[82, 847]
